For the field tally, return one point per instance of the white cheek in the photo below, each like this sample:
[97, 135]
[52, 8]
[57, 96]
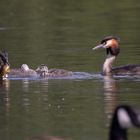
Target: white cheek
[124, 119]
[108, 44]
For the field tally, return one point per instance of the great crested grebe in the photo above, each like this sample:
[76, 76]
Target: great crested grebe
[124, 117]
[43, 71]
[111, 44]
[4, 65]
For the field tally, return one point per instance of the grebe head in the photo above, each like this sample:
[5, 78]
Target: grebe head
[24, 67]
[111, 44]
[42, 70]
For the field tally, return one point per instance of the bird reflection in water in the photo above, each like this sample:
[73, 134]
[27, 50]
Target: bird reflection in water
[5, 86]
[26, 84]
[4, 94]
[110, 96]
[34, 86]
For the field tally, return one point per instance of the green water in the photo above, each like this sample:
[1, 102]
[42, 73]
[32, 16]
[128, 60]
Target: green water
[61, 34]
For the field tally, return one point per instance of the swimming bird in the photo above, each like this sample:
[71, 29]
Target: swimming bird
[124, 117]
[4, 65]
[43, 71]
[23, 72]
[111, 44]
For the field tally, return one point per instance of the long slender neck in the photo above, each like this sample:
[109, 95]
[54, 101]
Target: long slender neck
[107, 66]
[116, 131]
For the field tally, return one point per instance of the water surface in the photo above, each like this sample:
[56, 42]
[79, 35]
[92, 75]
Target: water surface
[61, 34]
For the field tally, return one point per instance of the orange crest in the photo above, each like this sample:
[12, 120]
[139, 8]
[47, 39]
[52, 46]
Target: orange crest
[114, 43]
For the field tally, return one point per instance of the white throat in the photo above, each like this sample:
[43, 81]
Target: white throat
[124, 119]
[107, 66]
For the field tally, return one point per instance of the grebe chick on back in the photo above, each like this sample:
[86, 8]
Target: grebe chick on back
[42, 70]
[111, 44]
[45, 72]
[23, 72]
[124, 117]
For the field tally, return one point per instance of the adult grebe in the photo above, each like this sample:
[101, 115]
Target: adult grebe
[124, 117]
[111, 44]
[4, 65]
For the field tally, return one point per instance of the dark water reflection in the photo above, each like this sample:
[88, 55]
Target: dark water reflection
[77, 109]
[61, 35]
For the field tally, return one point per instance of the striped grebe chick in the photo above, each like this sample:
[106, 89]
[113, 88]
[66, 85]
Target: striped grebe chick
[45, 72]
